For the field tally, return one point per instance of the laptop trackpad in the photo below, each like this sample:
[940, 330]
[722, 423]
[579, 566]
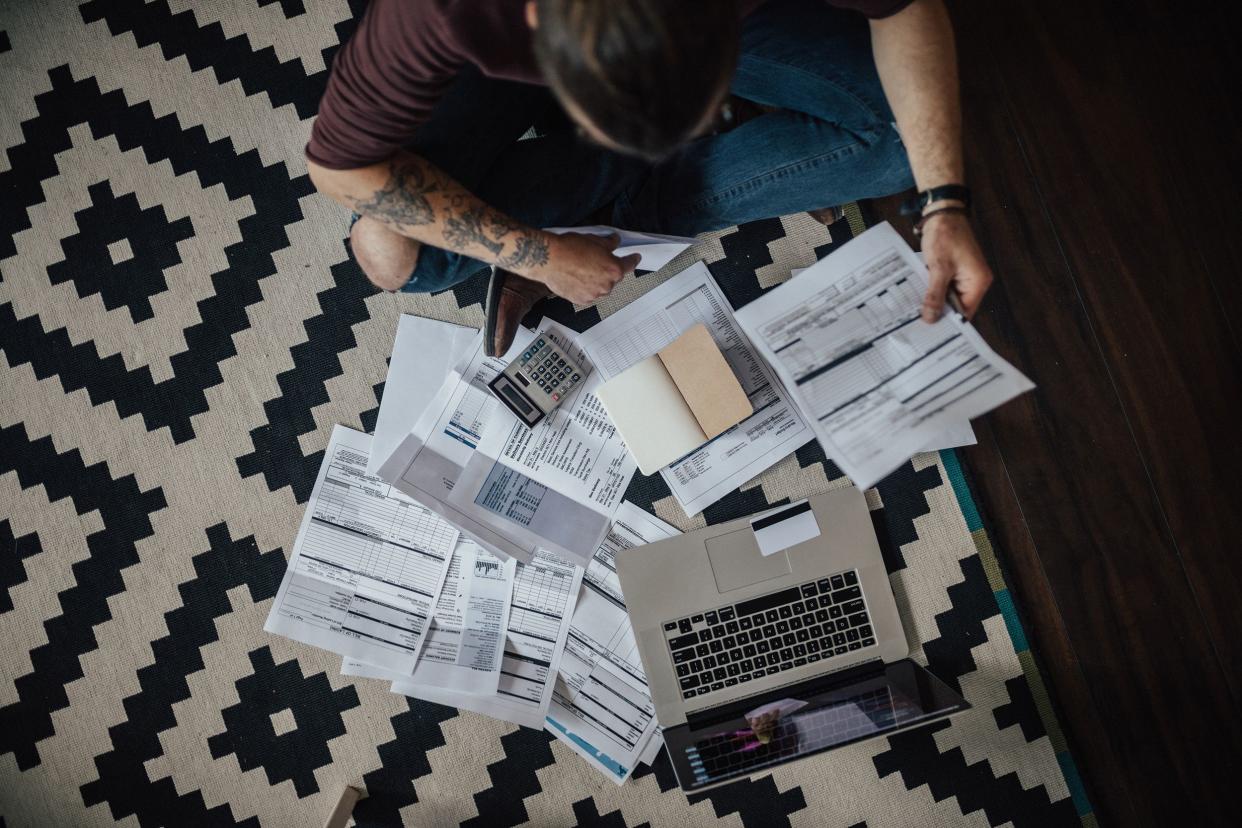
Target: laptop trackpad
[737, 562]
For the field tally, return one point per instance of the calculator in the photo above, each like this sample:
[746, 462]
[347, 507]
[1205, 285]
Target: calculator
[537, 380]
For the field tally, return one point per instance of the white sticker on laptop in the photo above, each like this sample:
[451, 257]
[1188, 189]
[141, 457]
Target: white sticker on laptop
[786, 527]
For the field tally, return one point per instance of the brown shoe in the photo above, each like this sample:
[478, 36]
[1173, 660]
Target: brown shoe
[509, 298]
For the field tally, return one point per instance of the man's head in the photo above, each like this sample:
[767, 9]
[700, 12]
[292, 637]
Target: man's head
[640, 76]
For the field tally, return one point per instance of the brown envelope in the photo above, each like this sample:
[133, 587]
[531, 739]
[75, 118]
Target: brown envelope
[706, 381]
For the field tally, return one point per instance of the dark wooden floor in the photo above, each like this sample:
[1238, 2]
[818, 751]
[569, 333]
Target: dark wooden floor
[1104, 152]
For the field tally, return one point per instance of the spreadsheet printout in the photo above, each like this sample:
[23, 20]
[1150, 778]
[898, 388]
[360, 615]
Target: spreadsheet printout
[876, 381]
[367, 566]
[602, 707]
[544, 594]
[773, 431]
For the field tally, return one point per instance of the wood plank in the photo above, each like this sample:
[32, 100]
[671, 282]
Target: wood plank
[1097, 517]
[1102, 162]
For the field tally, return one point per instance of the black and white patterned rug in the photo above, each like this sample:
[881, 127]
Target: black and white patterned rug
[181, 326]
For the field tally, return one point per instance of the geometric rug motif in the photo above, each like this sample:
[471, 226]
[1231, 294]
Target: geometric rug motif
[181, 326]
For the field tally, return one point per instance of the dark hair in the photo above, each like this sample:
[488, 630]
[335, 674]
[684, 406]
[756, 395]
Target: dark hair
[643, 71]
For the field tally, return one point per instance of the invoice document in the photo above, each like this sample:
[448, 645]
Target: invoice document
[423, 352]
[602, 707]
[542, 602]
[559, 481]
[876, 381]
[654, 249]
[774, 430]
[367, 566]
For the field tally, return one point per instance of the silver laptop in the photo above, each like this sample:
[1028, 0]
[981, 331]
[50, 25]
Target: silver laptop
[754, 660]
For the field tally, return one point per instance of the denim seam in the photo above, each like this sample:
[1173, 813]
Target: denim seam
[780, 172]
[821, 78]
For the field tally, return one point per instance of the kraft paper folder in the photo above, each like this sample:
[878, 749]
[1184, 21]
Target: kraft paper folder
[675, 401]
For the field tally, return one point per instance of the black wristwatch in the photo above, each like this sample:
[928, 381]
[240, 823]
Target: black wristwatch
[950, 192]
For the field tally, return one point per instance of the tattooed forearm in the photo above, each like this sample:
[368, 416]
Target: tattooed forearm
[403, 200]
[529, 250]
[419, 200]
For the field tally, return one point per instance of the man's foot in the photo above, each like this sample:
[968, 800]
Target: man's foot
[828, 215]
[509, 298]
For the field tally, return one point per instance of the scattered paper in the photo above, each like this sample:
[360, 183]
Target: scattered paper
[655, 250]
[367, 566]
[602, 706]
[466, 643]
[560, 481]
[656, 319]
[877, 382]
[424, 351]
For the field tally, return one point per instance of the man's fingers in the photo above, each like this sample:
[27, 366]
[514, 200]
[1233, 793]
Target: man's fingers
[630, 263]
[938, 284]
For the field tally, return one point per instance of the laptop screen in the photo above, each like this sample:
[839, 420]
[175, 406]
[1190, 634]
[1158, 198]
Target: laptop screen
[806, 719]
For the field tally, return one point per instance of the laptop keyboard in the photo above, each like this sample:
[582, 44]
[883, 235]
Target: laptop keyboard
[737, 643]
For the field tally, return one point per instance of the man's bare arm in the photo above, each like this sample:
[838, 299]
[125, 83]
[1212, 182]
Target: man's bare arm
[915, 55]
[417, 199]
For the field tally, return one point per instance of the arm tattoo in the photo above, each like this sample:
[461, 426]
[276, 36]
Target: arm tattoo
[403, 199]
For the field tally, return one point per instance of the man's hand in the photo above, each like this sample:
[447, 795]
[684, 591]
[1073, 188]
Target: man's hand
[954, 262]
[582, 268]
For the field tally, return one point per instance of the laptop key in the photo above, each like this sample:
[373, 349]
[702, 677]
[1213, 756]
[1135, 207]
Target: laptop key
[847, 594]
[868, 642]
[816, 630]
[799, 662]
[701, 650]
[696, 619]
[812, 658]
[683, 641]
[763, 646]
[723, 658]
[696, 666]
[760, 661]
[838, 581]
[858, 619]
[719, 685]
[745, 622]
[772, 616]
[684, 625]
[838, 638]
[800, 650]
[789, 639]
[733, 669]
[835, 612]
[821, 615]
[709, 662]
[851, 578]
[689, 682]
[786, 654]
[772, 668]
[730, 682]
[747, 666]
[726, 614]
[757, 674]
[812, 646]
[769, 631]
[731, 628]
[853, 607]
[720, 674]
[852, 635]
[795, 623]
[840, 650]
[854, 645]
[808, 590]
[710, 617]
[683, 656]
[798, 607]
[670, 626]
[683, 670]
[744, 677]
[729, 642]
[785, 612]
[782, 627]
[750, 651]
[824, 585]
[803, 635]
[742, 638]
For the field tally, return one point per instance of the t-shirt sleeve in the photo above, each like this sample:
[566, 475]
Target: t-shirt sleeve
[874, 9]
[384, 83]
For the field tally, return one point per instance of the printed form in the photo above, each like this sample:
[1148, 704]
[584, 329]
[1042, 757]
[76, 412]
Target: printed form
[367, 566]
[878, 383]
[465, 645]
[574, 453]
[553, 487]
[656, 319]
[543, 598]
[602, 707]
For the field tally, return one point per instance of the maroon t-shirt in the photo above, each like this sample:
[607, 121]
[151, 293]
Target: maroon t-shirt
[386, 80]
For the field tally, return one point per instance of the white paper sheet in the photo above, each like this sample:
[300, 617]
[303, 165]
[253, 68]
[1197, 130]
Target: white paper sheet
[602, 708]
[648, 324]
[424, 351]
[543, 598]
[465, 645]
[431, 458]
[877, 382]
[577, 461]
[955, 435]
[655, 250]
[367, 566]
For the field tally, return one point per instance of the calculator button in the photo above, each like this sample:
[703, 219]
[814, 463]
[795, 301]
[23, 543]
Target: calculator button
[556, 396]
[555, 383]
[577, 377]
[540, 342]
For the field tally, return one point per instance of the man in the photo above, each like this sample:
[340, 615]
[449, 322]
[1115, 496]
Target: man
[419, 132]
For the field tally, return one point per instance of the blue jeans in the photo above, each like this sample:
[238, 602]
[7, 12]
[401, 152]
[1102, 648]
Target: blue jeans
[831, 141]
